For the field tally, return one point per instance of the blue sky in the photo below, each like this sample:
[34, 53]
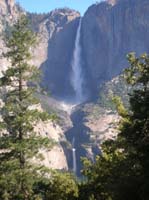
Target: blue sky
[48, 5]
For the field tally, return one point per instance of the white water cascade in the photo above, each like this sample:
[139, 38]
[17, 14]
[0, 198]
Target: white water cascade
[77, 77]
[74, 156]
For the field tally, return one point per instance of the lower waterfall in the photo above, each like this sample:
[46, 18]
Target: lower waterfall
[74, 156]
[74, 160]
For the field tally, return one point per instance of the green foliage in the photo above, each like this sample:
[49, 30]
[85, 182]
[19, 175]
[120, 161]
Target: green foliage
[121, 172]
[139, 71]
[115, 87]
[61, 186]
[36, 19]
[119, 106]
[19, 143]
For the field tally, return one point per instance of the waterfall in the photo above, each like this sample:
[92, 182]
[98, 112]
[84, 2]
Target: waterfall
[74, 160]
[74, 156]
[77, 77]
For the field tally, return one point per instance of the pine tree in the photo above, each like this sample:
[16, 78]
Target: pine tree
[19, 143]
[121, 172]
[61, 186]
[135, 128]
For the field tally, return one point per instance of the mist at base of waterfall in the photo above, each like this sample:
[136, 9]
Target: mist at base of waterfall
[67, 107]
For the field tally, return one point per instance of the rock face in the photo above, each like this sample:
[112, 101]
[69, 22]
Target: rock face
[61, 27]
[57, 32]
[110, 30]
[7, 7]
[54, 158]
[8, 13]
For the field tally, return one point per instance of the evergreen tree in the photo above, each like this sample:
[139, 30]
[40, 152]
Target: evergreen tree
[121, 172]
[61, 186]
[19, 143]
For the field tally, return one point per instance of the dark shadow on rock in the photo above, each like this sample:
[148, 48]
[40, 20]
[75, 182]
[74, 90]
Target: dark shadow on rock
[57, 69]
[81, 135]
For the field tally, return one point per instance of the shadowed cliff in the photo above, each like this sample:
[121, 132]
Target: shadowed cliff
[109, 32]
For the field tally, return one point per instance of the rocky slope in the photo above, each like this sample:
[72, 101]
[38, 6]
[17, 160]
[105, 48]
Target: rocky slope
[8, 14]
[54, 158]
[7, 8]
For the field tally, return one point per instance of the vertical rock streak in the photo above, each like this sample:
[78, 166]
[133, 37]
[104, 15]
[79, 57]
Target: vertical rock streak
[77, 77]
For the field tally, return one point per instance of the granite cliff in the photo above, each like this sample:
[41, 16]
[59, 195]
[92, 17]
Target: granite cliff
[7, 7]
[8, 14]
[109, 30]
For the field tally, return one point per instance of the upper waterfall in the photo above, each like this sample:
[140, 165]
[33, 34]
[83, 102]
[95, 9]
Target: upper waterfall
[77, 76]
